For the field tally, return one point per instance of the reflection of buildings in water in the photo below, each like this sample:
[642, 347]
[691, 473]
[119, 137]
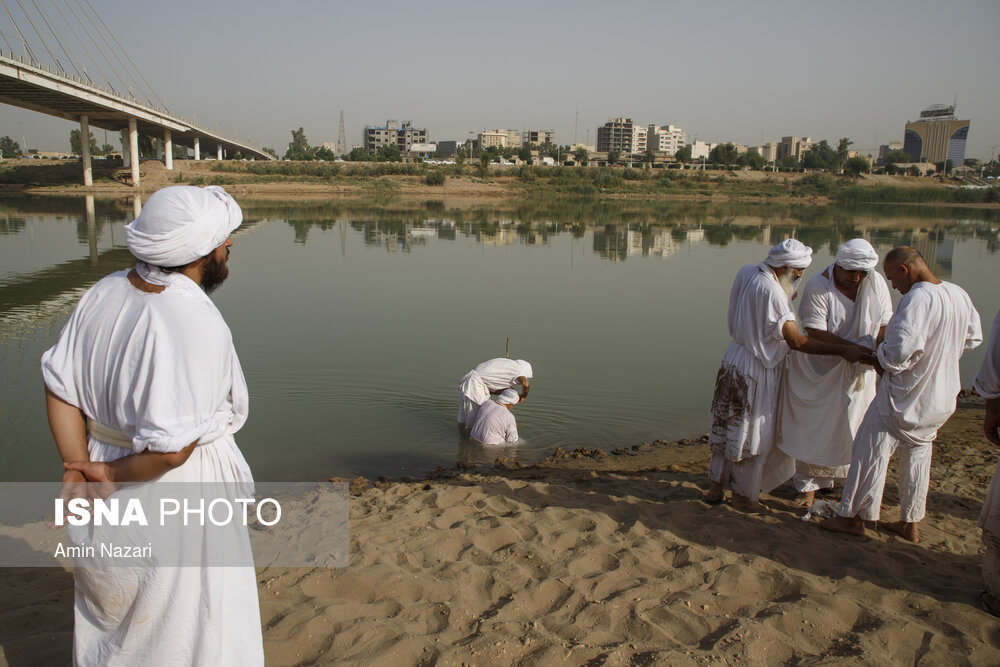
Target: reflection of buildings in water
[937, 249]
[501, 236]
[397, 240]
[619, 243]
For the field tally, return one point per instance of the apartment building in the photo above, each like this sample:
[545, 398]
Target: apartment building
[622, 135]
[404, 135]
[937, 136]
[666, 139]
[538, 137]
[499, 138]
[794, 146]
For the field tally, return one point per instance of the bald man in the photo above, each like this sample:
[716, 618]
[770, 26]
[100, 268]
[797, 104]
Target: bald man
[935, 323]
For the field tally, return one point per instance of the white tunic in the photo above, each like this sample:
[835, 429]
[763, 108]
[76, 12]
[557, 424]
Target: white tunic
[924, 341]
[161, 369]
[987, 384]
[496, 374]
[825, 397]
[746, 393]
[495, 425]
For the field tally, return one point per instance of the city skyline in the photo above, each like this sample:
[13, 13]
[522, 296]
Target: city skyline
[722, 71]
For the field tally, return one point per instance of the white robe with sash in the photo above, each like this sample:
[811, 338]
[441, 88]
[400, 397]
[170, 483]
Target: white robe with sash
[161, 370]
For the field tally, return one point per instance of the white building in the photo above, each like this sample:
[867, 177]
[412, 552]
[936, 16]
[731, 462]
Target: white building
[667, 139]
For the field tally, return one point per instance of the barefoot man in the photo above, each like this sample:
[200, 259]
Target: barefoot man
[824, 398]
[745, 404]
[144, 383]
[936, 322]
[987, 384]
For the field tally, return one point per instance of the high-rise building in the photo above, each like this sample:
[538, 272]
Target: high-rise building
[667, 139]
[621, 135]
[403, 135]
[937, 136]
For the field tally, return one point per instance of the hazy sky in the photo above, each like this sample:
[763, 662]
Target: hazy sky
[724, 71]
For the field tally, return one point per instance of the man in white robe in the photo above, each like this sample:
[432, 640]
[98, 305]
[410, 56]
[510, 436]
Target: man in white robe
[824, 399]
[490, 377]
[144, 377]
[495, 424]
[936, 322]
[744, 407]
[987, 384]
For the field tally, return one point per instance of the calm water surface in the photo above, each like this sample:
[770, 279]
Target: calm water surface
[354, 324]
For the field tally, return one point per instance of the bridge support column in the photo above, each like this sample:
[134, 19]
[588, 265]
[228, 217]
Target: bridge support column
[88, 172]
[197, 148]
[126, 153]
[168, 149]
[133, 150]
[136, 206]
[91, 228]
[220, 152]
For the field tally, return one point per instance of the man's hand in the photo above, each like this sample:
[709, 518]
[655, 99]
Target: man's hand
[100, 477]
[857, 354]
[991, 422]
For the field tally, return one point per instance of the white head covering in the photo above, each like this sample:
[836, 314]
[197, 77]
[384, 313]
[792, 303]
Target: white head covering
[790, 252]
[857, 255]
[509, 397]
[181, 223]
[525, 368]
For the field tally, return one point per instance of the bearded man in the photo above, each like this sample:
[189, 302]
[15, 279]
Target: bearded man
[825, 399]
[144, 383]
[936, 322]
[744, 407]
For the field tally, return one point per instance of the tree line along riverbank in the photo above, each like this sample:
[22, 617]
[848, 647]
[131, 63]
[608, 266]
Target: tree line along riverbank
[493, 181]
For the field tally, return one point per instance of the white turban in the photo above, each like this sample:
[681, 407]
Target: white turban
[181, 223]
[524, 368]
[509, 397]
[857, 255]
[790, 252]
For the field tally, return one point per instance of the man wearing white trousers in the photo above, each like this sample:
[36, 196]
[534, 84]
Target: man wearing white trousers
[935, 323]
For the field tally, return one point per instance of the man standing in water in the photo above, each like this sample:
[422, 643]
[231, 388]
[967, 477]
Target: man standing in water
[490, 377]
[744, 407]
[144, 381]
[936, 322]
[495, 425]
[824, 398]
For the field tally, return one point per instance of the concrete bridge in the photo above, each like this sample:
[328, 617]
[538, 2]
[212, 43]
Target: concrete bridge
[36, 87]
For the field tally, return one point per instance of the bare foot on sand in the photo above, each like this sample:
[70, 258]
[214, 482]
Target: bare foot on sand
[905, 529]
[851, 525]
[805, 499]
[744, 504]
[716, 494]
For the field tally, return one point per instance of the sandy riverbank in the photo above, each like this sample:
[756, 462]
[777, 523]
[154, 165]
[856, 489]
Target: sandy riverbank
[611, 558]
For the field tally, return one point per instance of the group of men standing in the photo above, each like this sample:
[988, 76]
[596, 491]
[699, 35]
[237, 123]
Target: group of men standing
[809, 405]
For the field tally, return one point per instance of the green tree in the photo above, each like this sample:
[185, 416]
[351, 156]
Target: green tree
[752, 159]
[581, 156]
[107, 149]
[270, 151]
[299, 148]
[648, 157]
[550, 149]
[683, 154]
[613, 156]
[357, 154]
[325, 153]
[842, 151]
[460, 156]
[76, 147]
[146, 147]
[789, 162]
[388, 153]
[724, 154]
[524, 155]
[856, 165]
[896, 157]
[9, 148]
[484, 164]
